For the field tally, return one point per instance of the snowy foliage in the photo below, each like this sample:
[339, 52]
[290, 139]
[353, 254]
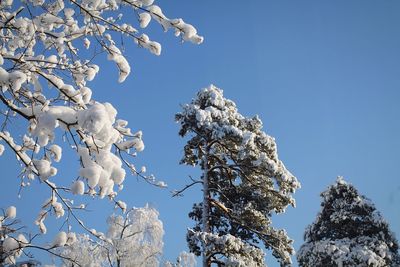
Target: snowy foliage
[46, 63]
[12, 243]
[348, 231]
[11, 212]
[237, 252]
[134, 239]
[244, 182]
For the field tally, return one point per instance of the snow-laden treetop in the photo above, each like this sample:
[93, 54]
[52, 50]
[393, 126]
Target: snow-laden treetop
[215, 118]
[244, 180]
[345, 213]
[348, 231]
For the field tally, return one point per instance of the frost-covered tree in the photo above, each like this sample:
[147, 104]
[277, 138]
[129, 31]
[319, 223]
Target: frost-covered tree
[47, 59]
[243, 181]
[134, 239]
[348, 231]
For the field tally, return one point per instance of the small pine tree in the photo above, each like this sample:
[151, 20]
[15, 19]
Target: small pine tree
[348, 231]
[243, 180]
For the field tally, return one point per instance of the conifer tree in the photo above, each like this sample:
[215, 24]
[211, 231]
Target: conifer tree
[243, 181]
[348, 231]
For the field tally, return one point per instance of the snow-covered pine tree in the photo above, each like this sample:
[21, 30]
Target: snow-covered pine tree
[243, 180]
[348, 231]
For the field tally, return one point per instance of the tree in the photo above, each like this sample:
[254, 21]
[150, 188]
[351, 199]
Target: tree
[348, 231]
[243, 181]
[44, 76]
[134, 239]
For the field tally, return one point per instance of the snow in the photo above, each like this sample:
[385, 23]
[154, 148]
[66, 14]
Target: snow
[44, 168]
[78, 188]
[144, 41]
[58, 209]
[147, 2]
[190, 34]
[136, 143]
[29, 143]
[94, 119]
[118, 175]
[23, 242]
[86, 94]
[238, 253]
[71, 239]
[15, 78]
[68, 12]
[122, 205]
[86, 43]
[143, 169]
[158, 15]
[60, 239]
[144, 19]
[92, 174]
[40, 221]
[49, 201]
[56, 152]
[161, 184]
[10, 244]
[115, 55]
[44, 128]
[11, 212]
[106, 185]
[12, 248]
[186, 259]
[348, 251]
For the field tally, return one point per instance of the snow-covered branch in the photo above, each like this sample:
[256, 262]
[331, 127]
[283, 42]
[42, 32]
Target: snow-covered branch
[48, 51]
[14, 243]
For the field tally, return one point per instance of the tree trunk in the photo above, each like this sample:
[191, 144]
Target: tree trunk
[206, 208]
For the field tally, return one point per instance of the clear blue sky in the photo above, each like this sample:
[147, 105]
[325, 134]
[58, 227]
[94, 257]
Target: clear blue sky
[324, 76]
